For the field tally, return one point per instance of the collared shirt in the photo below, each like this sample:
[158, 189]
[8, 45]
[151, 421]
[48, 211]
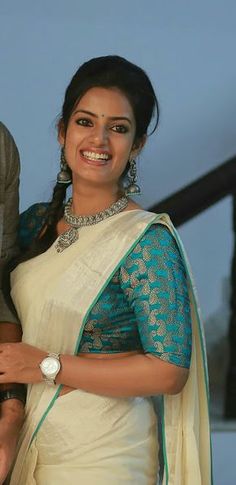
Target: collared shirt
[9, 209]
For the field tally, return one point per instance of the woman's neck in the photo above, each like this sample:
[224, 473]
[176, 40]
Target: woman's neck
[87, 202]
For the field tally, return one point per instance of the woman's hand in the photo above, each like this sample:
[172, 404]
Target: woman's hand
[19, 362]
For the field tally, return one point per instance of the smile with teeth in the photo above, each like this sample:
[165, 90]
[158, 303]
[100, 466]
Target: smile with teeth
[93, 156]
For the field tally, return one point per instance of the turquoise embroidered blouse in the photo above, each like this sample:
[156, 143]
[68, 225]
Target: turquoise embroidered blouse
[145, 306]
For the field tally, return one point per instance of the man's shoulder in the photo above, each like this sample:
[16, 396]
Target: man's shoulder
[5, 135]
[3, 129]
[9, 157]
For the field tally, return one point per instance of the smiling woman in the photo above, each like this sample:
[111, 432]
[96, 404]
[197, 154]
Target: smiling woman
[98, 141]
[107, 307]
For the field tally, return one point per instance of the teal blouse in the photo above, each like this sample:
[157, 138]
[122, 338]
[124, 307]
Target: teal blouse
[145, 306]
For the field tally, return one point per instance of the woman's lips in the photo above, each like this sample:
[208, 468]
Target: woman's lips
[95, 158]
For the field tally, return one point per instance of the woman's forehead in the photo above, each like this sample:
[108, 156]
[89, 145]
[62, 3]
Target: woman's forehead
[105, 102]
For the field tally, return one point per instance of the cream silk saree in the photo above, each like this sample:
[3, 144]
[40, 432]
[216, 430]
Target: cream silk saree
[53, 319]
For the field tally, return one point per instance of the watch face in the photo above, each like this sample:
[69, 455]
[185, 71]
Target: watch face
[50, 366]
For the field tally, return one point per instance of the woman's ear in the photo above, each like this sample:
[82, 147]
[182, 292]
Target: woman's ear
[138, 146]
[61, 133]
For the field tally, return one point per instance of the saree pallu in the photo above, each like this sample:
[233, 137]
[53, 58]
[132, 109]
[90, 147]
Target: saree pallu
[53, 294]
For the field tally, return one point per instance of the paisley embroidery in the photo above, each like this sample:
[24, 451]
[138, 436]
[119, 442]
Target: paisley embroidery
[145, 306]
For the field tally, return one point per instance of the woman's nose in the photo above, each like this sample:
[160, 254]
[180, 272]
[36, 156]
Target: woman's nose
[99, 135]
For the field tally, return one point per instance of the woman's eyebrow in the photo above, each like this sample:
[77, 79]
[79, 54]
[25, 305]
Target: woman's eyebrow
[113, 118]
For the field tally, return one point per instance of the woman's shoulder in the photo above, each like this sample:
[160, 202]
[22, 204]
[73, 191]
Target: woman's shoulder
[157, 242]
[157, 234]
[31, 221]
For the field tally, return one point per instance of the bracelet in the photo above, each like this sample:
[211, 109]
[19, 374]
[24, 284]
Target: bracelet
[13, 393]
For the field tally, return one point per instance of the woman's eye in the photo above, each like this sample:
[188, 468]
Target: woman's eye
[83, 122]
[120, 128]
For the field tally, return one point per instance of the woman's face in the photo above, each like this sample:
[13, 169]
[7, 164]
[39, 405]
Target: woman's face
[100, 136]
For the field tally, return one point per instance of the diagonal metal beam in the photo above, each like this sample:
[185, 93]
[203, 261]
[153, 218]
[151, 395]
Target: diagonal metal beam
[194, 198]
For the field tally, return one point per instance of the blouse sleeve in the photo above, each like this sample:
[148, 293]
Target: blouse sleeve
[154, 280]
[31, 222]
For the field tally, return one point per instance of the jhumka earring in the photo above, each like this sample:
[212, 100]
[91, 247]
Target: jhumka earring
[132, 188]
[64, 176]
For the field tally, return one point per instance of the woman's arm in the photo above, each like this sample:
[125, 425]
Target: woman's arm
[134, 375]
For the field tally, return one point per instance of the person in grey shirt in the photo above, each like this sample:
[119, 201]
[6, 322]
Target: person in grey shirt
[9, 208]
[11, 396]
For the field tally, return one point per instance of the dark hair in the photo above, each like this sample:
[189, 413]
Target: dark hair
[107, 72]
[114, 72]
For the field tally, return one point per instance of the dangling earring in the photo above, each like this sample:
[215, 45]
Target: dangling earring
[132, 188]
[64, 176]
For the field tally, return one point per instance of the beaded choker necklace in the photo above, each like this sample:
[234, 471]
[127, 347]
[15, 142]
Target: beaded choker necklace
[76, 222]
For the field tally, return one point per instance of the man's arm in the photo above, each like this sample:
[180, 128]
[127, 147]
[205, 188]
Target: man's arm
[12, 410]
[9, 203]
[10, 330]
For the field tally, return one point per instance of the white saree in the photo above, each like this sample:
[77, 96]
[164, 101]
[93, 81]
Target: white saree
[53, 294]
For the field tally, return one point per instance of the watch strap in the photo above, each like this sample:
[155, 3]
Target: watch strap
[54, 354]
[14, 393]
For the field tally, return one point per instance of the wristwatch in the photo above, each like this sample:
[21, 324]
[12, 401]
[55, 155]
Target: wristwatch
[50, 366]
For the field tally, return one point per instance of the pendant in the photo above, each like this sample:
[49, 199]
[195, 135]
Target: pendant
[66, 239]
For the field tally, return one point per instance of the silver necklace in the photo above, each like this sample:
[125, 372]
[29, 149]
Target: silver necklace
[76, 222]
